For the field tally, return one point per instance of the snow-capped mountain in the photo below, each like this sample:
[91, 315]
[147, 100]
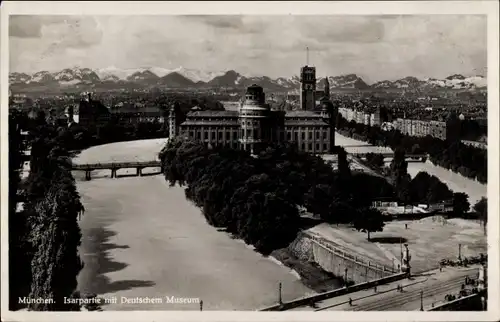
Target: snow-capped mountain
[290, 82]
[15, 78]
[109, 78]
[229, 79]
[113, 77]
[456, 81]
[343, 81]
[41, 77]
[115, 73]
[146, 76]
[175, 79]
[76, 74]
[459, 82]
[192, 74]
[198, 75]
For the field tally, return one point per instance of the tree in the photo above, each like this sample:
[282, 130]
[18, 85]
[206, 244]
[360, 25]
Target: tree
[461, 203]
[416, 149]
[403, 189]
[481, 208]
[19, 246]
[399, 166]
[419, 186]
[369, 220]
[52, 208]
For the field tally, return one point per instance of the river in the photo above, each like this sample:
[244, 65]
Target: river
[142, 238]
[455, 181]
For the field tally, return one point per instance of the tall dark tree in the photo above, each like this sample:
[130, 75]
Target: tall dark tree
[481, 208]
[369, 220]
[461, 203]
[52, 207]
[19, 247]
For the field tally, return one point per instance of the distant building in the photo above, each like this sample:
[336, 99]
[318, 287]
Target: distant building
[133, 115]
[438, 129]
[72, 114]
[254, 125]
[92, 113]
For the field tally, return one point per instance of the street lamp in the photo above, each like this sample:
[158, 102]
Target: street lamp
[279, 294]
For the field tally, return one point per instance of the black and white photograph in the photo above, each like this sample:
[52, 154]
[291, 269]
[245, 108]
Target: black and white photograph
[209, 161]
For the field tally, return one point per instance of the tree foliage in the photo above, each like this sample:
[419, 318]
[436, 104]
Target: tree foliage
[461, 203]
[52, 208]
[369, 220]
[19, 247]
[257, 198]
[481, 208]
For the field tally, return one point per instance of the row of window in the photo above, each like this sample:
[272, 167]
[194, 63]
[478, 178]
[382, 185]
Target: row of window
[303, 135]
[303, 147]
[249, 133]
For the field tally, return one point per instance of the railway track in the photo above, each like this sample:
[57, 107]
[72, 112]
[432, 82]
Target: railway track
[401, 299]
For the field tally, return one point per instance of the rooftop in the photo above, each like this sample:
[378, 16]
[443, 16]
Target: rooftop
[213, 114]
[301, 113]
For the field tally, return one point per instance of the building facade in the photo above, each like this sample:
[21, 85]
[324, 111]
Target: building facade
[421, 128]
[254, 125]
[363, 117]
[92, 113]
[132, 115]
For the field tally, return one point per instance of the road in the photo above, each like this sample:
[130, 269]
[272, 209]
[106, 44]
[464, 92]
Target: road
[409, 300]
[435, 285]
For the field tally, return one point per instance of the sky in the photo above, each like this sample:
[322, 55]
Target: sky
[373, 47]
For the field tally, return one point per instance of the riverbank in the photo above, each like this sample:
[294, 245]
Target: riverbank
[455, 181]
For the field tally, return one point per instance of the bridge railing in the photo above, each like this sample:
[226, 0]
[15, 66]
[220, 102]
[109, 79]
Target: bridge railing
[389, 155]
[337, 250]
[115, 165]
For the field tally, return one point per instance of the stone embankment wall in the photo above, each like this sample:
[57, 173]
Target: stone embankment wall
[336, 260]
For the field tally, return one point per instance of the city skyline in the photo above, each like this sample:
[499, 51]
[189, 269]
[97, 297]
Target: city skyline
[373, 47]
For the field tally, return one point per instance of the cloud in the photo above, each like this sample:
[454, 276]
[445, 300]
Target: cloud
[343, 29]
[222, 22]
[25, 27]
[382, 47]
[59, 31]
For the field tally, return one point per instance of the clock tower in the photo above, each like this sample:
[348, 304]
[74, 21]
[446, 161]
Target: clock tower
[307, 86]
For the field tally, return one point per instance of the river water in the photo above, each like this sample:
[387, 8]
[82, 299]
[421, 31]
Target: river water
[455, 181]
[143, 239]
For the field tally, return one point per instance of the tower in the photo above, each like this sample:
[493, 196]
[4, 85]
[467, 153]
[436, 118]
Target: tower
[307, 86]
[329, 115]
[172, 123]
[327, 88]
[253, 119]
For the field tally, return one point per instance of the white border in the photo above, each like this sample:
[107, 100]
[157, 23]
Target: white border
[489, 8]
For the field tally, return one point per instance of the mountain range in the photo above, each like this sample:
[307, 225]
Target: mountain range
[181, 77]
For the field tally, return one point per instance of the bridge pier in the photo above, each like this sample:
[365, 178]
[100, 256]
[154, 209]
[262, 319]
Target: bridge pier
[87, 175]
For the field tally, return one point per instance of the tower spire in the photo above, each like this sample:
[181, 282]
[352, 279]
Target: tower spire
[307, 56]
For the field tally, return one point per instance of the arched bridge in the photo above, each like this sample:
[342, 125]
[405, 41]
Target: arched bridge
[115, 166]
